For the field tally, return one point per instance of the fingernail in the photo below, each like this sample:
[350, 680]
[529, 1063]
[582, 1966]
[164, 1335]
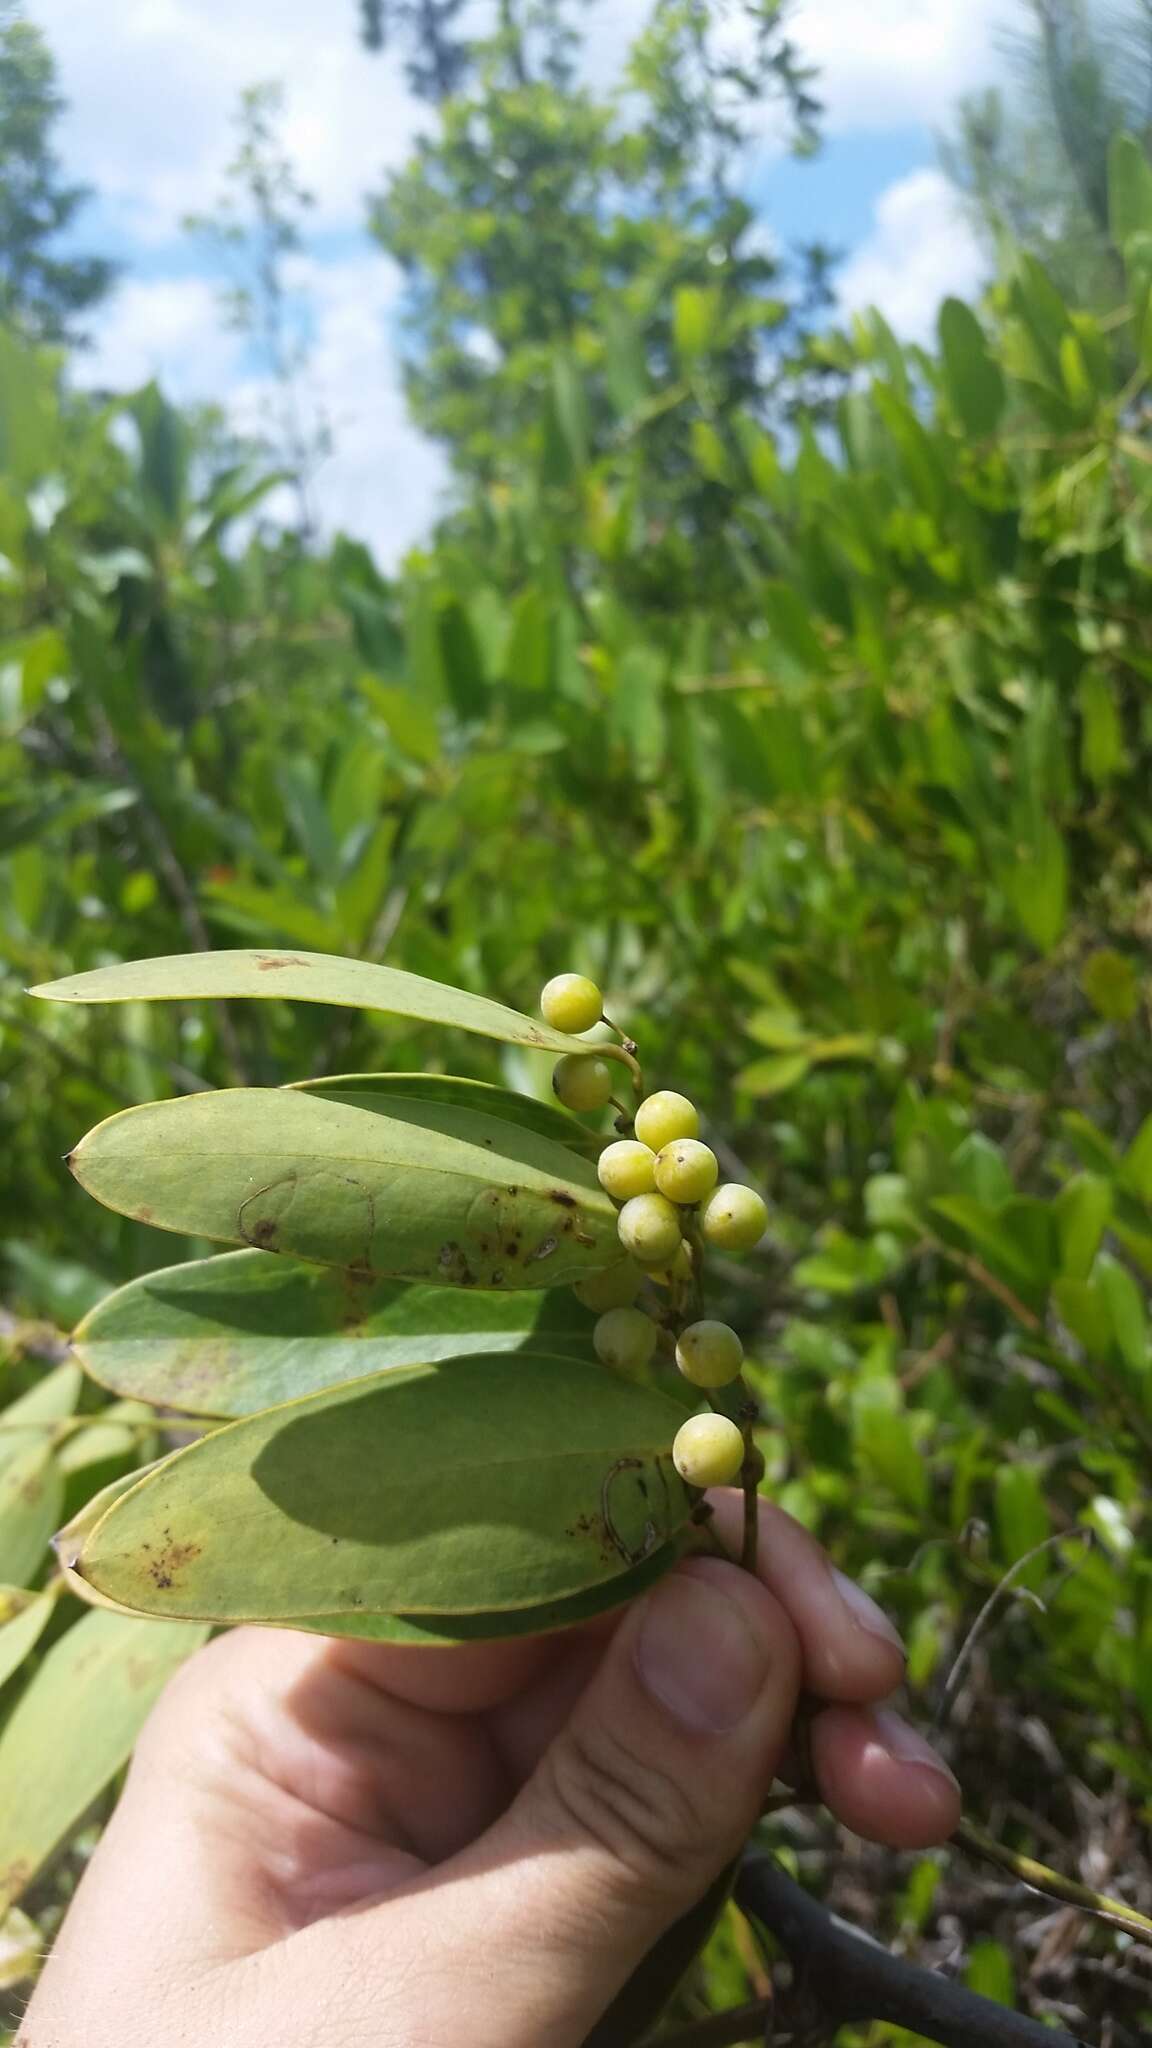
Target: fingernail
[698, 1656]
[865, 1612]
[906, 1745]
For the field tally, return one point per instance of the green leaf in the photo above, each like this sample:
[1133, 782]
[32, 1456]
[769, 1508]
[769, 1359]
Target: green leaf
[21, 1630]
[1129, 190]
[886, 1444]
[1022, 1518]
[1126, 1311]
[1083, 1208]
[241, 1332]
[695, 320]
[1111, 984]
[1102, 751]
[974, 381]
[775, 1075]
[28, 1421]
[989, 1971]
[489, 1482]
[1038, 886]
[1085, 1311]
[31, 1496]
[83, 1708]
[1136, 1169]
[380, 1091]
[427, 1192]
[312, 978]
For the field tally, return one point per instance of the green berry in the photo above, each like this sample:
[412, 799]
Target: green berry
[686, 1170]
[734, 1218]
[626, 1169]
[616, 1287]
[570, 1002]
[581, 1083]
[708, 1451]
[650, 1229]
[709, 1354]
[665, 1116]
[624, 1339]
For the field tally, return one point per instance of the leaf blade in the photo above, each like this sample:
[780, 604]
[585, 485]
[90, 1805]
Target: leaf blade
[491, 1482]
[309, 977]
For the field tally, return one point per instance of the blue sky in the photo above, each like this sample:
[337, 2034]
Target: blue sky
[153, 86]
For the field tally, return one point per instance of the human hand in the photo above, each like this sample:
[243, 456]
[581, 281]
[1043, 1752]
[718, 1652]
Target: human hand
[380, 1847]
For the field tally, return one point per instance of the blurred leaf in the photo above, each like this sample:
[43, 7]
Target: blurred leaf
[103, 1676]
[974, 381]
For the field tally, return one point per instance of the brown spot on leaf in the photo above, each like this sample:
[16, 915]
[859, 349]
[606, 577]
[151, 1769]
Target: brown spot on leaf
[144, 1214]
[263, 1231]
[266, 960]
[562, 1196]
[170, 1560]
[543, 1250]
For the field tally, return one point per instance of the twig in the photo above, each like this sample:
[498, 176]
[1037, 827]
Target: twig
[964, 1657]
[1053, 1883]
[853, 1979]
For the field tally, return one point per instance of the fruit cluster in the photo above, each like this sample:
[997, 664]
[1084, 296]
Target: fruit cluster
[672, 1205]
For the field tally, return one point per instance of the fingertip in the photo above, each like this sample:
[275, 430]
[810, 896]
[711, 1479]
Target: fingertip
[852, 1650]
[882, 1779]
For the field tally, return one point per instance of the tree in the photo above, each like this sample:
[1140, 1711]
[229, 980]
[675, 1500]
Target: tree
[581, 260]
[42, 293]
[254, 231]
[1033, 162]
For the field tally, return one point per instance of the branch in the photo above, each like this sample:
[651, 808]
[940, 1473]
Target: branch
[852, 1979]
[1053, 1883]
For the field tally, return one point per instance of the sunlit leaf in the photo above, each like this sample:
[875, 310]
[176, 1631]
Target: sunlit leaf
[428, 1192]
[311, 978]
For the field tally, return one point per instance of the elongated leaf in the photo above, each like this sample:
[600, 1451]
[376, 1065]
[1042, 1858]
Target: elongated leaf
[382, 1091]
[426, 1193]
[436, 1630]
[490, 1482]
[28, 1421]
[20, 1634]
[241, 1332]
[311, 978]
[83, 1708]
[31, 1495]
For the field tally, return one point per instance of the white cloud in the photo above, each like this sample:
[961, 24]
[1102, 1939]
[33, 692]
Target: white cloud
[383, 480]
[896, 62]
[153, 86]
[921, 249]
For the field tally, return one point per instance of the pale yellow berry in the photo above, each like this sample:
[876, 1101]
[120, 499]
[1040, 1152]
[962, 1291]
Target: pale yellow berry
[616, 1287]
[709, 1354]
[686, 1170]
[650, 1229]
[708, 1451]
[570, 1002]
[624, 1339]
[581, 1083]
[626, 1169]
[734, 1218]
[665, 1116]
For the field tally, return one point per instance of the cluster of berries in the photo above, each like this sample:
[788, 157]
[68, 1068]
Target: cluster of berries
[664, 1179]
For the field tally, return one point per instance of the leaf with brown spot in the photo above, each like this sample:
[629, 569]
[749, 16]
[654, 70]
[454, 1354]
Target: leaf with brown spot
[314, 978]
[415, 1194]
[483, 1485]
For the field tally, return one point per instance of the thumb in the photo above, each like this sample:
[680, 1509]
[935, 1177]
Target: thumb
[642, 1799]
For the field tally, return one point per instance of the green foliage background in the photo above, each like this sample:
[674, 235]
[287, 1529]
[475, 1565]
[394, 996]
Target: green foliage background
[793, 683]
